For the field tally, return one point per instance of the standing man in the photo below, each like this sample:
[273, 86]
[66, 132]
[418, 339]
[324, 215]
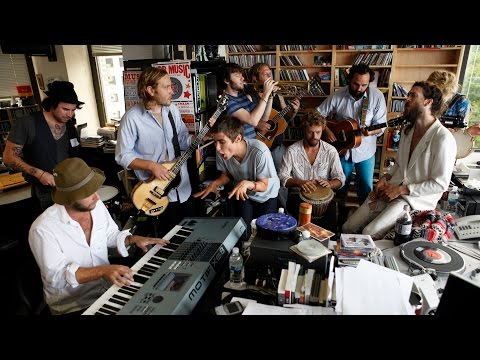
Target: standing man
[366, 105]
[422, 171]
[310, 163]
[241, 106]
[41, 140]
[70, 239]
[248, 163]
[259, 73]
[153, 132]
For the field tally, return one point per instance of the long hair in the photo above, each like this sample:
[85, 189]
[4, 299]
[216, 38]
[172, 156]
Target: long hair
[446, 81]
[149, 77]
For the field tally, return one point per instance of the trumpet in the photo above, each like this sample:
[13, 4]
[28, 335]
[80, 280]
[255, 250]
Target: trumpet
[284, 88]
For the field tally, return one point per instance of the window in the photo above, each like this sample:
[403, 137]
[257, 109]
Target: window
[13, 73]
[471, 86]
[108, 62]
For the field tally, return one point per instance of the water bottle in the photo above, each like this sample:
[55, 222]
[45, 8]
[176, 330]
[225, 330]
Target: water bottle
[453, 200]
[395, 139]
[236, 268]
[403, 226]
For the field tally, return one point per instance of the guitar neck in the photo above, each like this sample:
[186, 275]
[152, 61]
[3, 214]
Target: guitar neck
[193, 146]
[285, 110]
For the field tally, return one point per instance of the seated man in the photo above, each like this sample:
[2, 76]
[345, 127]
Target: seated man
[423, 168]
[249, 163]
[69, 241]
[311, 163]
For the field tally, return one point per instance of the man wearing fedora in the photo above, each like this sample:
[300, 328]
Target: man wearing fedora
[39, 141]
[69, 241]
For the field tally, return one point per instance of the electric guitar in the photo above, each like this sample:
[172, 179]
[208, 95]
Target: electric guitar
[349, 134]
[151, 196]
[277, 122]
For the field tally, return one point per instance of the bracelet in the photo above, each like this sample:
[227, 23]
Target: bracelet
[41, 176]
[129, 237]
[264, 100]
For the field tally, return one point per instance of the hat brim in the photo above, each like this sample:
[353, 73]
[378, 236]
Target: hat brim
[69, 197]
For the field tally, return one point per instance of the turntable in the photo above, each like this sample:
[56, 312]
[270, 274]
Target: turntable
[426, 255]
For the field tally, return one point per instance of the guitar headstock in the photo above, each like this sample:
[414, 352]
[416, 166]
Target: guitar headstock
[398, 121]
[222, 102]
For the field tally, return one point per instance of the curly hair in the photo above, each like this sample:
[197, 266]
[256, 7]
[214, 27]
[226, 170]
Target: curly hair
[445, 81]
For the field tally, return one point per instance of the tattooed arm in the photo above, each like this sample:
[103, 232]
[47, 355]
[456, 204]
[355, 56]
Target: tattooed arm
[12, 157]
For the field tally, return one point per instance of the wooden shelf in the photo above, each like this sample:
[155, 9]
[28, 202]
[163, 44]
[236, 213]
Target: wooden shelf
[408, 65]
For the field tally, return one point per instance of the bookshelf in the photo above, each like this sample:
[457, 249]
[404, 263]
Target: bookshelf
[8, 116]
[399, 64]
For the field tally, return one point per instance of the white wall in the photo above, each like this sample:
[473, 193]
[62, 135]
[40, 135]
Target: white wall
[72, 65]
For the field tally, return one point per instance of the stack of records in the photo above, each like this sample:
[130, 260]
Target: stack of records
[353, 247]
[92, 141]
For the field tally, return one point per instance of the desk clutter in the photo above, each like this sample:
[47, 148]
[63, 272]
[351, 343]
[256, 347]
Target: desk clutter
[8, 181]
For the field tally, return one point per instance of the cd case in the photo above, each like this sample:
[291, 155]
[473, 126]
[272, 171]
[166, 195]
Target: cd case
[357, 242]
[316, 232]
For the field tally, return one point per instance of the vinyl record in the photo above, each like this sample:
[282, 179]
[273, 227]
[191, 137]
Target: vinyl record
[310, 247]
[422, 253]
[177, 88]
[277, 222]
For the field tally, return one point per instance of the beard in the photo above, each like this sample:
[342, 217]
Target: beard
[356, 94]
[83, 208]
[312, 142]
[411, 114]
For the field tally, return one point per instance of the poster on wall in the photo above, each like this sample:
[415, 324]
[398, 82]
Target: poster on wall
[130, 80]
[181, 78]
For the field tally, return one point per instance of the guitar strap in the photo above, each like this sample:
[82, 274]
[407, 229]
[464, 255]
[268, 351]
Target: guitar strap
[364, 109]
[176, 145]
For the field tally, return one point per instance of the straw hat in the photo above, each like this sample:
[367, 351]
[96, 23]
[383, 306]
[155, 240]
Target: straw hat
[75, 180]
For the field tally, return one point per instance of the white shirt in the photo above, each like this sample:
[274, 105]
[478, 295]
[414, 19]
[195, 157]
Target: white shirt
[59, 246]
[295, 164]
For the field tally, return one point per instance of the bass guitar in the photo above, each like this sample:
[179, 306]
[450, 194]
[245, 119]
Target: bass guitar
[151, 196]
[277, 122]
[349, 134]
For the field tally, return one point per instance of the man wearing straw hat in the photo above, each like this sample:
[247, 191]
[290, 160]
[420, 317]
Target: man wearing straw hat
[69, 241]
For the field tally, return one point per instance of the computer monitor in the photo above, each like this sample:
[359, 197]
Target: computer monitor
[461, 296]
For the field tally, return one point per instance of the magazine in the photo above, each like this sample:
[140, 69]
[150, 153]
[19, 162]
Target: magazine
[316, 232]
[357, 242]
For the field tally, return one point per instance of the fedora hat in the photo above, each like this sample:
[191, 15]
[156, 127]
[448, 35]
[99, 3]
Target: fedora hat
[63, 91]
[75, 180]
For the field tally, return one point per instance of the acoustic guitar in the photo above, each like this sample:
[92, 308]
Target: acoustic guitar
[276, 120]
[349, 134]
[151, 196]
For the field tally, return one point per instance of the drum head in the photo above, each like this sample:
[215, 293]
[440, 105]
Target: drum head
[464, 143]
[107, 192]
[320, 193]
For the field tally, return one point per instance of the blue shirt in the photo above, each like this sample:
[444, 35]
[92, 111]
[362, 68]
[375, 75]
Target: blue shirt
[242, 102]
[140, 136]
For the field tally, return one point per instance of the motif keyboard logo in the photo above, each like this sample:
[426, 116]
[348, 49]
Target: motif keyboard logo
[201, 284]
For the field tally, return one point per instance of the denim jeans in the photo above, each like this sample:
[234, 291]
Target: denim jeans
[363, 174]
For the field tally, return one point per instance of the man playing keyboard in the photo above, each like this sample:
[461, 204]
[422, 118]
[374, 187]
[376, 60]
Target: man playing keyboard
[70, 241]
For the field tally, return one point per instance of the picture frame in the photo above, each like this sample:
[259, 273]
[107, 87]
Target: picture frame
[40, 82]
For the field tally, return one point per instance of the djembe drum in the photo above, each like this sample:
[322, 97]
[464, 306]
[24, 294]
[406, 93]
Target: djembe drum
[320, 199]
